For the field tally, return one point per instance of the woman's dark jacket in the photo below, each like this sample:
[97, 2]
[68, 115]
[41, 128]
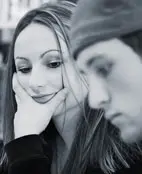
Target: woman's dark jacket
[26, 156]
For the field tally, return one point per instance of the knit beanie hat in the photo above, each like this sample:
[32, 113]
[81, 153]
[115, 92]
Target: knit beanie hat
[97, 20]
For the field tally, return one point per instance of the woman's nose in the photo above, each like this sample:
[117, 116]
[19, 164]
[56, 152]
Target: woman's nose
[37, 80]
[98, 94]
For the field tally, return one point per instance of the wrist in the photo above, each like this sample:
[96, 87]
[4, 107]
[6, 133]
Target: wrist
[22, 134]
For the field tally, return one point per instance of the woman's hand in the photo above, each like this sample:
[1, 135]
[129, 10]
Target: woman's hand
[32, 117]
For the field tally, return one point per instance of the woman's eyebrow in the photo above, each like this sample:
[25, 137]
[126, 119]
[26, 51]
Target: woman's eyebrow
[22, 58]
[48, 51]
[41, 56]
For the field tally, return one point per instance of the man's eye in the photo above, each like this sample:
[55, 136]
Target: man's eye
[54, 64]
[24, 70]
[105, 70]
[82, 72]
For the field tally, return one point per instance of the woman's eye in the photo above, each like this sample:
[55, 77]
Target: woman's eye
[54, 64]
[24, 70]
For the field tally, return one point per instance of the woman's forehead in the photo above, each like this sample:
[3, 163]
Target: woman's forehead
[33, 32]
[38, 37]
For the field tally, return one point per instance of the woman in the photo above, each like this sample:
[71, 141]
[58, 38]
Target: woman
[50, 128]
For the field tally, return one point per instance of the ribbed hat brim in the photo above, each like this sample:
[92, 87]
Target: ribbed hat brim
[87, 32]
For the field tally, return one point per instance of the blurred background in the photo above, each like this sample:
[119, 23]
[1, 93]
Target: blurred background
[10, 13]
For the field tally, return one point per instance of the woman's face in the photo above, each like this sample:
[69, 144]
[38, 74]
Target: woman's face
[114, 73]
[40, 69]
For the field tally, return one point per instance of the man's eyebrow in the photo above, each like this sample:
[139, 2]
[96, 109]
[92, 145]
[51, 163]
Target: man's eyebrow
[94, 59]
[48, 51]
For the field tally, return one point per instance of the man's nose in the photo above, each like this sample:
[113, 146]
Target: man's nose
[99, 96]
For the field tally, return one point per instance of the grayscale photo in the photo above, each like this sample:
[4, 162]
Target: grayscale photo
[70, 87]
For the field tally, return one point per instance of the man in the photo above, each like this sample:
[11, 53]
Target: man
[106, 40]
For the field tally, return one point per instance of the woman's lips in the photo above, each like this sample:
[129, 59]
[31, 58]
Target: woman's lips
[43, 98]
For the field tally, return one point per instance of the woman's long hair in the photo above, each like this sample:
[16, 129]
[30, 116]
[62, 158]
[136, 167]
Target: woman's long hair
[97, 143]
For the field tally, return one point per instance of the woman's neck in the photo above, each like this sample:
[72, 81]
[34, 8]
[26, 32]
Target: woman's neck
[66, 125]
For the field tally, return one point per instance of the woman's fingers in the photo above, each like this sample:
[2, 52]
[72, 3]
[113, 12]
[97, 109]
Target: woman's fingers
[19, 91]
[58, 99]
[17, 99]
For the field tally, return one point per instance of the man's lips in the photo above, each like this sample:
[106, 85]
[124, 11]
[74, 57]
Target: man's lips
[43, 98]
[111, 117]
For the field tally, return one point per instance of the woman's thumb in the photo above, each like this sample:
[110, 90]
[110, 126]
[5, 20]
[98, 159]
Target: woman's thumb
[59, 98]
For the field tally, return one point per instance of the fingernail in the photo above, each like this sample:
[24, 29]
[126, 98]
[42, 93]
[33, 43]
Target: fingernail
[66, 91]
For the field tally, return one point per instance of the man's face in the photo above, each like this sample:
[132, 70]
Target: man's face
[114, 74]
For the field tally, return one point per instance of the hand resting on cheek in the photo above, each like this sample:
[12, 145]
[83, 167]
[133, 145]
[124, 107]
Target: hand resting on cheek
[32, 117]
